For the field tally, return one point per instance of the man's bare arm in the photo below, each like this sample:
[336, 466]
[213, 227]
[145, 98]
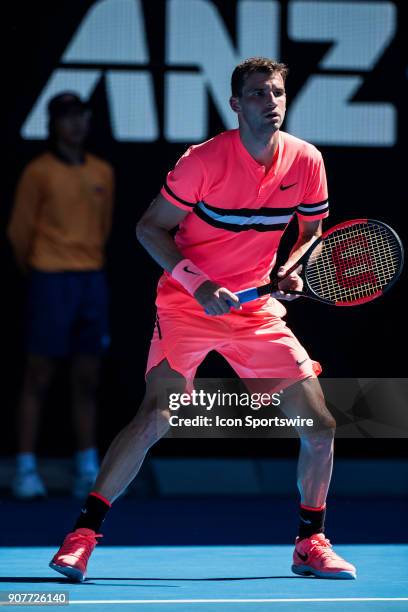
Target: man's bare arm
[309, 231]
[153, 229]
[152, 232]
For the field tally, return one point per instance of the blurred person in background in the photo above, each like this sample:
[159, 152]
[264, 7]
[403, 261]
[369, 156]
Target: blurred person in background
[58, 229]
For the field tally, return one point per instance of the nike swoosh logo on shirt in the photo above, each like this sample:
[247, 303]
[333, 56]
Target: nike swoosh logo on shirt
[189, 271]
[299, 363]
[284, 187]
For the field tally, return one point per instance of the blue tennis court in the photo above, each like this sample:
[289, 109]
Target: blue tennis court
[210, 554]
[237, 578]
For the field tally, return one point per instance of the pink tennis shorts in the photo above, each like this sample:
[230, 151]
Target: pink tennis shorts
[255, 341]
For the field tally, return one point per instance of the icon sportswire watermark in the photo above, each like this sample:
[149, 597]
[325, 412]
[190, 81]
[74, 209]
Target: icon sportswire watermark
[362, 408]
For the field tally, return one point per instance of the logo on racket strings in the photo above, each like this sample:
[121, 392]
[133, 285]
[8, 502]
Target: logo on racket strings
[353, 253]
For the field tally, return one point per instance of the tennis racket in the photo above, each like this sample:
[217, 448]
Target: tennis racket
[350, 264]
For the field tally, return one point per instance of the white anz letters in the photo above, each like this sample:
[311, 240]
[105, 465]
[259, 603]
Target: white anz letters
[112, 33]
[323, 111]
[200, 53]
[196, 36]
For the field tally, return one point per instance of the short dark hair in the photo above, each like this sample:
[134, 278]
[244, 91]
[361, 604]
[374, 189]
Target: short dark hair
[255, 65]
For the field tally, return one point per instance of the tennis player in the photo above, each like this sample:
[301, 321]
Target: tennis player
[231, 198]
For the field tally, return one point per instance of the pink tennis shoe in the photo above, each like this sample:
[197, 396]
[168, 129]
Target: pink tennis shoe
[315, 556]
[72, 558]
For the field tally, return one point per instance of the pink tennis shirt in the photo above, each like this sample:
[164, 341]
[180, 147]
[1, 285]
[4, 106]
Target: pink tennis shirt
[237, 213]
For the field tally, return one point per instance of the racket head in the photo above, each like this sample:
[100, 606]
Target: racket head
[353, 263]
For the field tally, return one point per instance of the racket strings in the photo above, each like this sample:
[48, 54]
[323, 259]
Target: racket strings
[353, 270]
[357, 279]
[353, 263]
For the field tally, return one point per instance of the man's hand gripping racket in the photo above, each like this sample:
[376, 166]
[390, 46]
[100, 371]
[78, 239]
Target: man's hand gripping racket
[350, 264]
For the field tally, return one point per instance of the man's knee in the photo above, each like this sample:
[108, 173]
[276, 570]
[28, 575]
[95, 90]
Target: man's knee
[39, 372]
[310, 403]
[324, 423]
[85, 376]
[151, 422]
[329, 424]
[161, 382]
[320, 439]
[322, 432]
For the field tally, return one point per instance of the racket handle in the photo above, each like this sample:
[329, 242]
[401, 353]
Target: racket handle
[247, 295]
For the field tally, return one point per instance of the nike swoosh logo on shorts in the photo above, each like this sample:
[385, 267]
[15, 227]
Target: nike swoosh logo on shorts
[299, 363]
[284, 187]
[189, 271]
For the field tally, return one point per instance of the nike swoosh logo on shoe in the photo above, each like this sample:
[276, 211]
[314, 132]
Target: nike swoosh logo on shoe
[303, 557]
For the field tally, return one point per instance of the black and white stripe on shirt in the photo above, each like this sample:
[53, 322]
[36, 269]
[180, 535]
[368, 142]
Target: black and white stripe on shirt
[259, 219]
[309, 210]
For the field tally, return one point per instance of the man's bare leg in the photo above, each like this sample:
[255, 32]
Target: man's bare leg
[85, 374]
[27, 482]
[315, 464]
[37, 379]
[119, 467]
[313, 553]
[127, 451]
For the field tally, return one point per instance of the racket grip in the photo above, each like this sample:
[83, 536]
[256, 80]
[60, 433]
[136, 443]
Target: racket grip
[247, 295]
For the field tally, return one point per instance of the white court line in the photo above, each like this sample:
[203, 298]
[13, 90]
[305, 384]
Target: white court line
[215, 601]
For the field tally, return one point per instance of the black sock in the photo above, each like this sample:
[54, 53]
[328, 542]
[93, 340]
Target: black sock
[311, 520]
[93, 512]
